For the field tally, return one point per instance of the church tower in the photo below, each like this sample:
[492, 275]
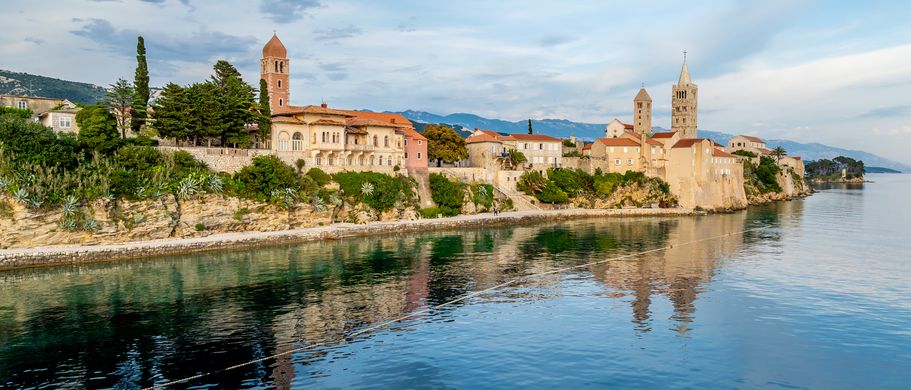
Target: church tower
[684, 104]
[642, 113]
[274, 68]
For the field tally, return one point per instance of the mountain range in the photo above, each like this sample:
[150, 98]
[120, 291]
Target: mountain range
[24, 84]
[563, 128]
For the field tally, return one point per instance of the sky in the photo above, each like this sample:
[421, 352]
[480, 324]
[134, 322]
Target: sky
[835, 72]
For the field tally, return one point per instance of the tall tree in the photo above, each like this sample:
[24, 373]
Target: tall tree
[139, 108]
[97, 129]
[529, 126]
[223, 71]
[265, 112]
[779, 152]
[119, 99]
[174, 113]
[444, 143]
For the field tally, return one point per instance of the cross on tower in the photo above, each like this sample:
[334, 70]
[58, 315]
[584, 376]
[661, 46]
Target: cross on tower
[684, 55]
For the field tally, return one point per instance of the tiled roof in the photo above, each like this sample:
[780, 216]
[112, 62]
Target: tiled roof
[275, 48]
[534, 137]
[309, 110]
[719, 153]
[284, 119]
[653, 142]
[484, 137]
[667, 134]
[370, 122]
[627, 126]
[397, 119]
[587, 147]
[489, 132]
[410, 132]
[327, 122]
[688, 142]
[753, 139]
[765, 151]
[618, 142]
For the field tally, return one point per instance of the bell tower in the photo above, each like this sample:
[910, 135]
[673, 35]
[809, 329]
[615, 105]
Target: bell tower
[642, 113]
[684, 104]
[275, 68]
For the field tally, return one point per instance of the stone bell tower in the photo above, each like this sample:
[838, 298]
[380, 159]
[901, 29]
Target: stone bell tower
[275, 68]
[684, 104]
[642, 113]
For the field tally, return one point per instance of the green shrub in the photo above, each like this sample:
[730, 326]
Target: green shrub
[432, 212]
[184, 163]
[124, 184]
[447, 194]
[10, 112]
[265, 175]
[138, 158]
[377, 190]
[240, 213]
[200, 226]
[552, 194]
[766, 173]
[531, 182]
[320, 177]
[98, 129]
[744, 153]
[27, 141]
[482, 194]
[608, 183]
[633, 177]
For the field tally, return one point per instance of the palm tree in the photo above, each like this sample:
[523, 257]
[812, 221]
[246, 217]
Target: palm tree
[779, 152]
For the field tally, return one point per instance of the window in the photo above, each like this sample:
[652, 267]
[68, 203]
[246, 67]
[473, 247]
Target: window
[406, 142]
[281, 69]
[276, 66]
[617, 162]
[319, 160]
[625, 149]
[281, 102]
[629, 162]
[388, 160]
[23, 104]
[540, 146]
[419, 155]
[386, 141]
[279, 84]
[65, 122]
[313, 139]
[297, 142]
[284, 142]
[406, 154]
[420, 143]
[375, 143]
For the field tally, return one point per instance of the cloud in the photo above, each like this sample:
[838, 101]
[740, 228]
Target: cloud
[165, 49]
[887, 112]
[34, 40]
[331, 34]
[287, 11]
[334, 70]
[555, 40]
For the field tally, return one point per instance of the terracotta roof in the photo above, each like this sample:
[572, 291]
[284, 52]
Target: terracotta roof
[370, 122]
[587, 147]
[717, 145]
[354, 130]
[688, 142]
[642, 96]
[653, 142]
[627, 126]
[327, 122]
[410, 132]
[275, 48]
[482, 138]
[752, 138]
[617, 142]
[719, 153]
[284, 119]
[667, 134]
[397, 119]
[765, 151]
[632, 133]
[309, 110]
[489, 132]
[534, 137]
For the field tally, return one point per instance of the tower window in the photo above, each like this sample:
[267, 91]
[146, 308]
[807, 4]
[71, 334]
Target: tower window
[281, 67]
[276, 66]
[279, 84]
[281, 102]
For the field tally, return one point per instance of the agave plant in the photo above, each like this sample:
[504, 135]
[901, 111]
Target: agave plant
[70, 206]
[90, 225]
[69, 224]
[367, 188]
[215, 184]
[5, 182]
[188, 187]
[141, 192]
[482, 190]
[335, 200]
[21, 195]
[318, 204]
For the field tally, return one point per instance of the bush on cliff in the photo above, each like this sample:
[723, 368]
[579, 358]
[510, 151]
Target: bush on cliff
[552, 194]
[447, 194]
[319, 176]
[24, 140]
[377, 190]
[265, 175]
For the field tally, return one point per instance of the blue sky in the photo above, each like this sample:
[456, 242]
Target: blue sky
[834, 72]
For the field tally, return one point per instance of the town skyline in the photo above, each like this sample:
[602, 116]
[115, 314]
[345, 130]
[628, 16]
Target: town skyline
[774, 70]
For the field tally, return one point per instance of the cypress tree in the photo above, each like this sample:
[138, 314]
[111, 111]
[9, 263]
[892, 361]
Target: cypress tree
[140, 87]
[265, 112]
[529, 126]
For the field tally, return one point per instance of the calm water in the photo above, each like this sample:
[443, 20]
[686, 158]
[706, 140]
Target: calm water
[820, 297]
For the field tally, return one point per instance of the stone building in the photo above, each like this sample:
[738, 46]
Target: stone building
[684, 105]
[642, 113]
[38, 105]
[60, 120]
[334, 139]
[749, 143]
[701, 175]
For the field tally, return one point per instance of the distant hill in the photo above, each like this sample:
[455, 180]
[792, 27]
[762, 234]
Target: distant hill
[24, 84]
[589, 131]
[879, 170]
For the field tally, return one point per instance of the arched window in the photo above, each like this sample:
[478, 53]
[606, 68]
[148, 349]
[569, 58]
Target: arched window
[281, 69]
[283, 141]
[325, 136]
[281, 102]
[297, 142]
[386, 141]
[375, 143]
[313, 139]
[276, 66]
[279, 84]
[23, 105]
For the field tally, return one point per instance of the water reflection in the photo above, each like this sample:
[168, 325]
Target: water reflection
[144, 322]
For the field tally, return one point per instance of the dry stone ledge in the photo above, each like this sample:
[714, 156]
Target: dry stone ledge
[59, 255]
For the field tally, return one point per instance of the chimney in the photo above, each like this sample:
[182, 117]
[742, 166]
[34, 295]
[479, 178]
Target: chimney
[475, 129]
[392, 120]
[324, 105]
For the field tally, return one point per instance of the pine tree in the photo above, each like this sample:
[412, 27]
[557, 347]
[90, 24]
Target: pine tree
[140, 88]
[173, 113]
[529, 126]
[265, 112]
[119, 99]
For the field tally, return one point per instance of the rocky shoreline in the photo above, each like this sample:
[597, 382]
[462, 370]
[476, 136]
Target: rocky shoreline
[76, 254]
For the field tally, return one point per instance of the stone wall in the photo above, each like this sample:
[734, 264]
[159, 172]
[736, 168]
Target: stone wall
[221, 159]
